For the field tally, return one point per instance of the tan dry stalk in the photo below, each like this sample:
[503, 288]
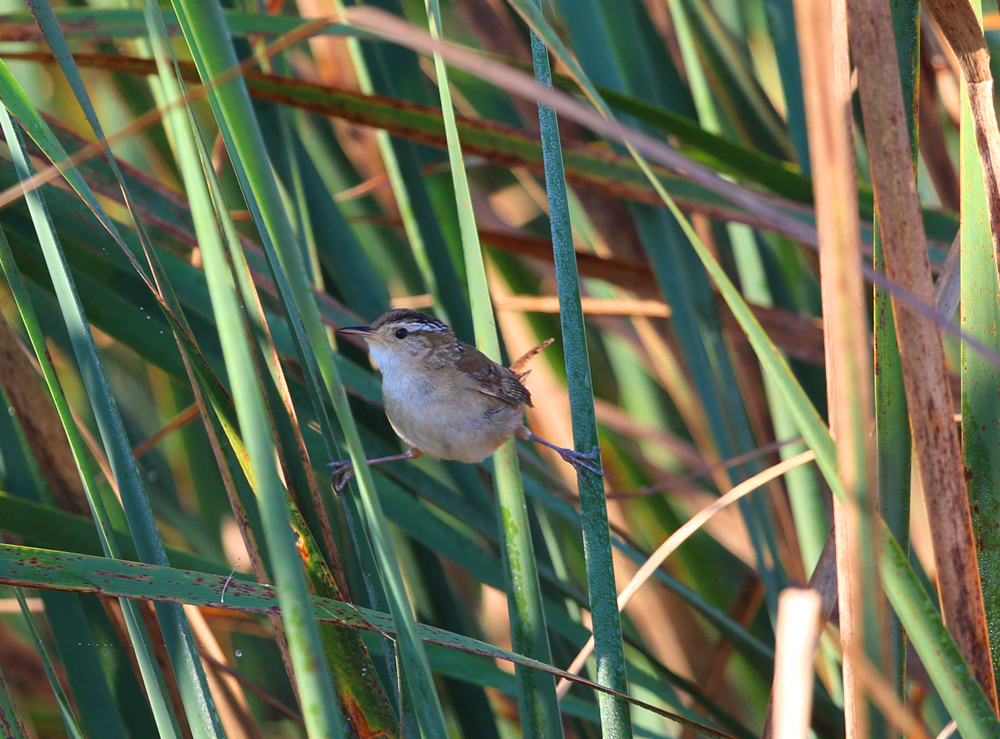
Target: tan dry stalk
[935, 439]
[591, 306]
[795, 642]
[823, 50]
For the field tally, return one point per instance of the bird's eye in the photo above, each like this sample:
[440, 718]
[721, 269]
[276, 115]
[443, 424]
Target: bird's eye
[401, 333]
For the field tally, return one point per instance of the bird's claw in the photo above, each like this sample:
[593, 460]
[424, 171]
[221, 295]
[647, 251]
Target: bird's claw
[340, 473]
[581, 461]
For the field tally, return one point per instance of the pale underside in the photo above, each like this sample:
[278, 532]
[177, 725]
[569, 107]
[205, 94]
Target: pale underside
[462, 416]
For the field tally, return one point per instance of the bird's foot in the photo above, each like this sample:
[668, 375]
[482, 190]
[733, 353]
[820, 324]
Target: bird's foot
[581, 461]
[341, 472]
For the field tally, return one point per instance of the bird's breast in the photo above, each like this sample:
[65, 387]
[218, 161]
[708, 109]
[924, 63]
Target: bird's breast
[445, 418]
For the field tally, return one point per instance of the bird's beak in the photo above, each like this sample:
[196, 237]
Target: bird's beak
[354, 330]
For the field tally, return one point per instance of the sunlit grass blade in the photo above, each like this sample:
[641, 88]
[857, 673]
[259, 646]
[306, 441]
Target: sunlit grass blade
[204, 28]
[536, 693]
[321, 709]
[198, 700]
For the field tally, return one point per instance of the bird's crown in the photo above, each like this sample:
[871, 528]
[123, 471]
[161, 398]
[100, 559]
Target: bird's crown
[411, 320]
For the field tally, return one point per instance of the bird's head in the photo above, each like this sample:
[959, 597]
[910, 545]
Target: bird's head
[404, 337]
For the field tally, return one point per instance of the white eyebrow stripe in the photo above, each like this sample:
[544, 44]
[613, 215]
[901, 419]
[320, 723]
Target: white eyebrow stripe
[414, 326]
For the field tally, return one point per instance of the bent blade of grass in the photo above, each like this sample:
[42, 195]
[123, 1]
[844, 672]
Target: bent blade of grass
[593, 507]
[40, 568]
[204, 28]
[537, 702]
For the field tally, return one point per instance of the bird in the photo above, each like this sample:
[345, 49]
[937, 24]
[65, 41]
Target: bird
[444, 398]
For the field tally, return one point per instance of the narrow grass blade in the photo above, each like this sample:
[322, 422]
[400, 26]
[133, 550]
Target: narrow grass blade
[892, 424]
[38, 465]
[72, 726]
[601, 586]
[980, 380]
[954, 680]
[11, 724]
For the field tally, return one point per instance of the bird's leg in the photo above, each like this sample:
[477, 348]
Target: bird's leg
[344, 470]
[579, 460]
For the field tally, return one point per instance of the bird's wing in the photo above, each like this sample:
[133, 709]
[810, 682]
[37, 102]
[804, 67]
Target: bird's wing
[490, 378]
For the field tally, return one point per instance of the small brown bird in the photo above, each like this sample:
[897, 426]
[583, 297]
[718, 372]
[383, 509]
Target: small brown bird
[445, 398]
